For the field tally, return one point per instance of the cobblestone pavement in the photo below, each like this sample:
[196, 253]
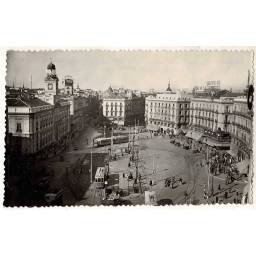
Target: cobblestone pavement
[168, 161]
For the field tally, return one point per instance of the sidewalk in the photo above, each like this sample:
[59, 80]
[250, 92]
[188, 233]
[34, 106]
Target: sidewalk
[92, 196]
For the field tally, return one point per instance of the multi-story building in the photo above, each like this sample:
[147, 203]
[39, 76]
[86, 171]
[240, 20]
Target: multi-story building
[210, 114]
[241, 128]
[77, 113]
[61, 121]
[30, 125]
[167, 111]
[211, 117]
[123, 108]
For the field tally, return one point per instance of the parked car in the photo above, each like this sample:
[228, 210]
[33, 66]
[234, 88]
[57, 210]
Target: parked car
[186, 147]
[121, 128]
[172, 141]
[54, 197]
[177, 143]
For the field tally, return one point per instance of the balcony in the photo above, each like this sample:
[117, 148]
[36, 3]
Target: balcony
[218, 136]
[242, 127]
[247, 115]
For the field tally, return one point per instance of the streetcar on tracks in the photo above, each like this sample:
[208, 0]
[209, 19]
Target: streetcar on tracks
[101, 176]
[100, 142]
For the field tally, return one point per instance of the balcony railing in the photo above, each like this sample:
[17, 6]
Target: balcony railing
[248, 114]
[242, 127]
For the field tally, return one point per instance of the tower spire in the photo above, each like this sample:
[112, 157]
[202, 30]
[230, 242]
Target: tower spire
[248, 81]
[169, 87]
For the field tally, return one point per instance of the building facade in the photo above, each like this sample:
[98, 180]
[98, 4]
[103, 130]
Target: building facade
[30, 125]
[167, 111]
[75, 118]
[123, 108]
[78, 112]
[241, 128]
[211, 114]
[61, 121]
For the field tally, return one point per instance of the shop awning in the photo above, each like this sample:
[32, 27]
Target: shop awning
[216, 144]
[194, 135]
[232, 153]
[243, 166]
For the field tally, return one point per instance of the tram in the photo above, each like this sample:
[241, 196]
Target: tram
[101, 177]
[107, 141]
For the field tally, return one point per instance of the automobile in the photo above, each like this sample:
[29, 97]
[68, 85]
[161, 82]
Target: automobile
[121, 202]
[186, 147]
[75, 147]
[195, 151]
[165, 201]
[172, 141]
[121, 128]
[177, 143]
[53, 197]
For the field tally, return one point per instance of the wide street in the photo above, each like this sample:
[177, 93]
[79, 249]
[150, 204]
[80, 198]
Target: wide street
[158, 160]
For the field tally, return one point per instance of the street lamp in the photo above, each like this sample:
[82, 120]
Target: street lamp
[91, 167]
[104, 131]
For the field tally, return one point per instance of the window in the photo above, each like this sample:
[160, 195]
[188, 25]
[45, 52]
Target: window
[18, 129]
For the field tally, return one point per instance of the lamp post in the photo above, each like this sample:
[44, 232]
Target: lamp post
[91, 167]
[208, 172]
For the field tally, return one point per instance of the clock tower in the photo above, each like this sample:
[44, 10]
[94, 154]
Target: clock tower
[51, 80]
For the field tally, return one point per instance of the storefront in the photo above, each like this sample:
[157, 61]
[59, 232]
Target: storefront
[194, 135]
[220, 145]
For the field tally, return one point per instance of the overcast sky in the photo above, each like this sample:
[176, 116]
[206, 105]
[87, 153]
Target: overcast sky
[136, 70]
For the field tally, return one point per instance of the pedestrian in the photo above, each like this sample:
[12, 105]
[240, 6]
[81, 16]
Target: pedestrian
[186, 196]
[226, 195]
[219, 187]
[217, 199]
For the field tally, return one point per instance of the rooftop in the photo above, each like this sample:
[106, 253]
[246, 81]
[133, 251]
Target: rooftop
[25, 102]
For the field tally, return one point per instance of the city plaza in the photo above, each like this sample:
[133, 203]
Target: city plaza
[183, 148]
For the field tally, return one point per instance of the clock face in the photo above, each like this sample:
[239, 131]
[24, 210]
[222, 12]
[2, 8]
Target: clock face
[50, 86]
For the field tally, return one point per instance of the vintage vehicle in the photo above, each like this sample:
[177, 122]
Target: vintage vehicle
[107, 141]
[172, 141]
[54, 197]
[101, 177]
[185, 146]
[177, 143]
[173, 181]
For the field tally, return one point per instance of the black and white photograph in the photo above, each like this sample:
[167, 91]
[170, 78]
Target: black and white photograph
[127, 128]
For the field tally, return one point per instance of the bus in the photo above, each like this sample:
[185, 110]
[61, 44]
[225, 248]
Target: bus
[107, 141]
[100, 177]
